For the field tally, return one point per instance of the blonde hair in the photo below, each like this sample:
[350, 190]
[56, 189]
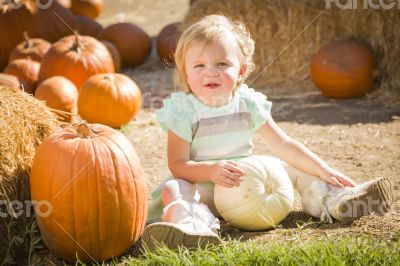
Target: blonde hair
[208, 30]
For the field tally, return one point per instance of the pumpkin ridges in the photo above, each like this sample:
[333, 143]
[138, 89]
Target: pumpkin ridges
[118, 95]
[106, 190]
[53, 197]
[253, 201]
[132, 42]
[137, 174]
[116, 235]
[343, 69]
[34, 48]
[59, 93]
[25, 70]
[64, 59]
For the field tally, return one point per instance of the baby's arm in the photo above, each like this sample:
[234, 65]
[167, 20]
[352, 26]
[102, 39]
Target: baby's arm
[225, 173]
[299, 156]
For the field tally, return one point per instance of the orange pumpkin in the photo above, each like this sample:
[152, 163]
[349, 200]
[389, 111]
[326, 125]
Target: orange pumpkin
[34, 48]
[90, 191]
[89, 8]
[166, 42]
[41, 19]
[25, 70]
[59, 93]
[109, 99]
[76, 58]
[343, 69]
[88, 26]
[134, 45]
[114, 54]
[8, 80]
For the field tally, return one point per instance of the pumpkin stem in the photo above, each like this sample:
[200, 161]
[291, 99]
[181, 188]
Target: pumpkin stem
[85, 130]
[78, 46]
[28, 43]
[109, 77]
[269, 187]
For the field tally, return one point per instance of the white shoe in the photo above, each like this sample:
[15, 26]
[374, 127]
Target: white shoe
[349, 204]
[188, 224]
[174, 236]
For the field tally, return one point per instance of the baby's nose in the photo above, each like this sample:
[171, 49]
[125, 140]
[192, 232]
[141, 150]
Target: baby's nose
[212, 71]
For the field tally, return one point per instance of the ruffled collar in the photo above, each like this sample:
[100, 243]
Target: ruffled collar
[221, 109]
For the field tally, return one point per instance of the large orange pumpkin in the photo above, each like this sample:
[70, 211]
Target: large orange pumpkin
[90, 191]
[34, 48]
[134, 45]
[88, 26]
[109, 99]
[59, 93]
[343, 69]
[41, 19]
[26, 70]
[76, 58]
[166, 42]
[89, 8]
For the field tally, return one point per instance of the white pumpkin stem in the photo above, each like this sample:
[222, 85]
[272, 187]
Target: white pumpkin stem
[269, 187]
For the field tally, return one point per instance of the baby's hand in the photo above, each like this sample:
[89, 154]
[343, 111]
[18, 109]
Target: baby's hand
[226, 173]
[336, 178]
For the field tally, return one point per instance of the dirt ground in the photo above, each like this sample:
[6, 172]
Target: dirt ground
[360, 137]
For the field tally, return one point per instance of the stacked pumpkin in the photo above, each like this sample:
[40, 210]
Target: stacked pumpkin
[56, 73]
[75, 73]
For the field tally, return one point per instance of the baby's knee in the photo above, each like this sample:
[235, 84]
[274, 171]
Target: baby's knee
[177, 188]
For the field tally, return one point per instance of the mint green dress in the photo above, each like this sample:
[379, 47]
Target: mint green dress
[213, 133]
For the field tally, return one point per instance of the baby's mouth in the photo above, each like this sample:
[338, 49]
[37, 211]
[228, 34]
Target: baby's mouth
[212, 85]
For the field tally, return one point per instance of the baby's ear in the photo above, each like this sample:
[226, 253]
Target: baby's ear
[243, 69]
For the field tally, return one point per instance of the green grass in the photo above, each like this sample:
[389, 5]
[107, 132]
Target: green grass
[346, 251]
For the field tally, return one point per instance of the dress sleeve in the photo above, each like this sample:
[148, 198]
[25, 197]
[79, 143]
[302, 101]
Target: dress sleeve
[259, 106]
[176, 115]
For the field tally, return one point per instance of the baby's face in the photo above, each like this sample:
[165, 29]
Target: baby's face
[212, 71]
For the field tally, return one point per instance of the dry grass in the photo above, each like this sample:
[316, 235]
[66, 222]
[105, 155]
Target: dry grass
[288, 33]
[24, 123]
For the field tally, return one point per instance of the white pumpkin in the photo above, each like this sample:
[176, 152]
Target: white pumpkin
[263, 199]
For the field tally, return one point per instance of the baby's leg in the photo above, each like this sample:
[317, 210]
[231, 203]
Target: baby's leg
[186, 221]
[313, 192]
[324, 201]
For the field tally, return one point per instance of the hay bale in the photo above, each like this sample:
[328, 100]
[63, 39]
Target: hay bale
[24, 123]
[303, 27]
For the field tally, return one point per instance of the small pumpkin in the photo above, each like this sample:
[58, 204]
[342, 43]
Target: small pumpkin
[166, 42]
[88, 8]
[91, 193]
[263, 199]
[109, 99]
[134, 45]
[34, 48]
[88, 26]
[343, 69]
[59, 93]
[12, 81]
[26, 70]
[114, 54]
[77, 58]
